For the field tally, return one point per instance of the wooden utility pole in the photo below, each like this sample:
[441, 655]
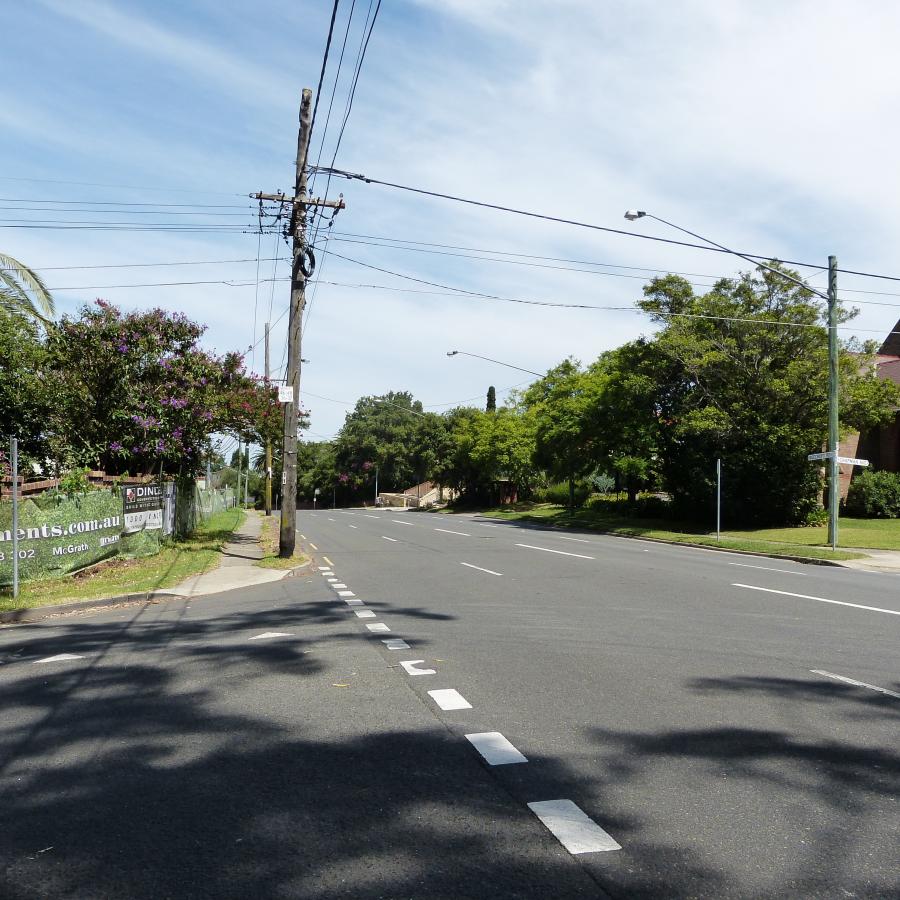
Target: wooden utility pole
[301, 269]
[268, 441]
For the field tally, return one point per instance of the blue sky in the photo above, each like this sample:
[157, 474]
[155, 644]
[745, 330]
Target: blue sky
[768, 126]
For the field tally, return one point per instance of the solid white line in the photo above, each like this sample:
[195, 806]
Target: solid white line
[60, 657]
[753, 587]
[871, 687]
[548, 550]
[580, 540]
[353, 526]
[395, 644]
[313, 546]
[268, 634]
[448, 531]
[449, 698]
[572, 828]
[767, 568]
[364, 613]
[489, 571]
[410, 667]
[496, 749]
[346, 594]
[398, 522]
[330, 563]
[393, 540]
[378, 626]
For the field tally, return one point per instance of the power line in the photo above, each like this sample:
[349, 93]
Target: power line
[462, 292]
[312, 123]
[130, 187]
[535, 215]
[124, 203]
[189, 262]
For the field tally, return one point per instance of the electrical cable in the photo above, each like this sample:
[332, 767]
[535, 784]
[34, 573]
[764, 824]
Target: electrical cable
[312, 122]
[535, 215]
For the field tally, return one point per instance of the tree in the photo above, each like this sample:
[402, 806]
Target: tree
[22, 292]
[741, 373]
[557, 403]
[491, 400]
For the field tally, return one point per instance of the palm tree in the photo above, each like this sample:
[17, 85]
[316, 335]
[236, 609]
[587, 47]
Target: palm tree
[22, 292]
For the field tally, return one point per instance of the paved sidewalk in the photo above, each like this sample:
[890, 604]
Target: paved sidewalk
[887, 561]
[236, 567]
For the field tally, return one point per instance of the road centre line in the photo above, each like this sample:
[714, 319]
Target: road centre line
[398, 522]
[313, 546]
[346, 594]
[580, 540]
[364, 613]
[369, 516]
[410, 667]
[323, 568]
[302, 537]
[489, 571]
[449, 699]
[352, 526]
[353, 601]
[572, 828]
[560, 552]
[393, 540]
[871, 687]
[379, 627]
[753, 587]
[448, 531]
[338, 585]
[767, 568]
[496, 749]
[395, 644]
[268, 634]
[331, 520]
[330, 563]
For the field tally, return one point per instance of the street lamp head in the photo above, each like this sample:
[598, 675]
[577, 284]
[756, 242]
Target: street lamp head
[632, 214]
[452, 352]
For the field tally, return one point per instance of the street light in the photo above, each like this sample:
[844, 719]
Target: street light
[831, 298]
[497, 361]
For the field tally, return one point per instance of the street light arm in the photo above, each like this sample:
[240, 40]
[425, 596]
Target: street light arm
[752, 262]
[497, 361]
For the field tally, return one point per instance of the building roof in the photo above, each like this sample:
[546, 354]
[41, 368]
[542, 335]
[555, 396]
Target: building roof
[891, 345]
[889, 370]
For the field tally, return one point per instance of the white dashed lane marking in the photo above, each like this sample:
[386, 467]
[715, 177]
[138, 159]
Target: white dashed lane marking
[352, 526]
[579, 540]
[353, 601]
[395, 644]
[364, 613]
[560, 552]
[268, 634]
[572, 828]
[410, 667]
[338, 585]
[392, 540]
[346, 594]
[489, 571]
[448, 531]
[398, 522]
[449, 698]
[330, 563]
[871, 687]
[370, 516]
[331, 520]
[753, 587]
[313, 546]
[60, 657]
[767, 568]
[324, 568]
[379, 627]
[496, 749]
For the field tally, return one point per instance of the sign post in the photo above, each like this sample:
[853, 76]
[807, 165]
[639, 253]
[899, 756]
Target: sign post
[833, 493]
[14, 459]
[718, 499]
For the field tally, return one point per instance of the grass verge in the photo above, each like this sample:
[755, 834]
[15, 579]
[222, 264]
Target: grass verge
[172, 565]
[269, 540]
[809, 543]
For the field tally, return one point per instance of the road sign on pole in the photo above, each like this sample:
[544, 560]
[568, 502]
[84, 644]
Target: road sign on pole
[814, 456]
[852, 461]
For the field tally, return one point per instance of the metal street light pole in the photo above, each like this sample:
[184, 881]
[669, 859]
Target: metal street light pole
[833, 400]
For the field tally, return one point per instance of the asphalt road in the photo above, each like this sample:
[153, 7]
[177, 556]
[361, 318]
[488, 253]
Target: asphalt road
[674, 695]
[269, 743]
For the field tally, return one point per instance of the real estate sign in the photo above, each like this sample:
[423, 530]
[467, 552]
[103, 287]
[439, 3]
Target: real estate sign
[143, 507]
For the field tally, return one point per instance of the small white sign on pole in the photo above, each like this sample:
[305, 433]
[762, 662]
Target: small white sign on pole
[852, 461]
[285, 394]
[814, 456]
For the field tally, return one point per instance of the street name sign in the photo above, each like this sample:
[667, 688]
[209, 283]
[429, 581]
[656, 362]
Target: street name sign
[285, 394]
[851, 461]
[813, 456]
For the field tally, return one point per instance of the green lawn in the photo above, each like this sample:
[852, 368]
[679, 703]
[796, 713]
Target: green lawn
[269, 539]
[806, 542]
[172, 565]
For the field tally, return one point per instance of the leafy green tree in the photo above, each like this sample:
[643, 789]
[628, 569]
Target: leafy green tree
[557, 404]
[491, 400]
[26, 393]
[22, 292]
[734, 381]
